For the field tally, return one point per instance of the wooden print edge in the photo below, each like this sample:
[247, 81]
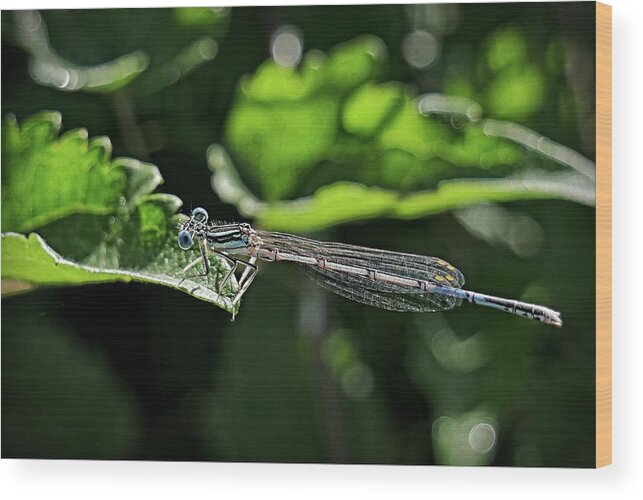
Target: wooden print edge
[603, 234]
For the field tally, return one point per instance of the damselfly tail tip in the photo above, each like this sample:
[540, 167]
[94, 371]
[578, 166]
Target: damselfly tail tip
[553, 318]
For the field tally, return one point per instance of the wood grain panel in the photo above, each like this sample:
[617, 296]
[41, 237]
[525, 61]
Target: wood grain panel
[603, 234]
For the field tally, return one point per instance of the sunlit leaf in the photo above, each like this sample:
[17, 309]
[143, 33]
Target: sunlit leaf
[414, 133]
[506, 47]
[516, 93]
[199, 16]
[401, 169]
[353, 63]
[281, 143]
[368, 108]
[285, 119]
[463, 192]
[334, 204]
[285, 124]
[473, 147]
[273, 83]
[344, 202]
[96, 218]
[46, 177]
[32, 260]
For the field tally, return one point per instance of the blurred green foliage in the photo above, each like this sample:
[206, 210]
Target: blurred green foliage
[46, 357]
[349, 138]
[284, 123]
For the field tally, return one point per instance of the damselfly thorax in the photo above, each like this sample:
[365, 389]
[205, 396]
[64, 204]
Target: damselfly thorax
[388, 280]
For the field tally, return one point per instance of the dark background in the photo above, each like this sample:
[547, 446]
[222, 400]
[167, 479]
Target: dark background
[142, 372]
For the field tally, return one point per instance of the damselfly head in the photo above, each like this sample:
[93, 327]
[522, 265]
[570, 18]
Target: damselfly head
[194, 225]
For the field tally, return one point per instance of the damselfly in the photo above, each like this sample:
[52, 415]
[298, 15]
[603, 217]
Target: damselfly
[387, 280]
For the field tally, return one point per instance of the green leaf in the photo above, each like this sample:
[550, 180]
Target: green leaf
[401, 169]
[272, 82]
[506, 47]
[49, 178]
[355, 62]
[418, 135]
[31, 259]
[369, 149]
[344, 202]
[288, 125]
[333, 204]
[535, 185]
[97, 220]
[140, 249]
[199, 16]
[369, 108]
[285, 120]
[474, 147]
[517, 92]
[282, 143]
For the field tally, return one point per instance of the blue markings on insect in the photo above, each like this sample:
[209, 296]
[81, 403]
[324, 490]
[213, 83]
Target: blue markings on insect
[200, 215]
[185, 240]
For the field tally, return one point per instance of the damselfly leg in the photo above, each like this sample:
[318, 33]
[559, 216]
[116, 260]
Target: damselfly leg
[206, 262]
[248, 274]
[246, 278]
[243, 282]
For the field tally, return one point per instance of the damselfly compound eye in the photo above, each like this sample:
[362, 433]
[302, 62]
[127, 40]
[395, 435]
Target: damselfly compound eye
[185, 240]
[200, 215]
